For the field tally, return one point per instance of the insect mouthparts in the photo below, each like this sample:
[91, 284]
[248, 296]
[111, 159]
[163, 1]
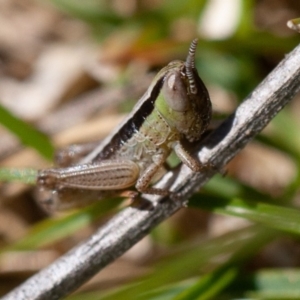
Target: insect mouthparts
[190, 65]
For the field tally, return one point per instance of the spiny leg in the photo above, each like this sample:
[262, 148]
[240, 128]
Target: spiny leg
[187, 159]
[145, 179]
[192, 163]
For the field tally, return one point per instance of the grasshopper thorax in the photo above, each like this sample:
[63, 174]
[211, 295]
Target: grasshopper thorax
[184, 100]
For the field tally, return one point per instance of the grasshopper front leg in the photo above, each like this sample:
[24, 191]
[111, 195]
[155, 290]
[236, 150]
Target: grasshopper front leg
[146, 177]
[187, 159]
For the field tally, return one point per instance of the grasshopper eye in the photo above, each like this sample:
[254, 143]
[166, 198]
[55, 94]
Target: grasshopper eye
[175, 93]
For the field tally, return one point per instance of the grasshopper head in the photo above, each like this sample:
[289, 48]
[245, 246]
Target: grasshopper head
[184, 99]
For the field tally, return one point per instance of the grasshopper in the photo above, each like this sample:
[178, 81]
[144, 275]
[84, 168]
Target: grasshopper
[175, 109]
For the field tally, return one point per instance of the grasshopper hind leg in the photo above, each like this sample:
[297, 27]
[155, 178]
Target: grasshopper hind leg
[79, 185]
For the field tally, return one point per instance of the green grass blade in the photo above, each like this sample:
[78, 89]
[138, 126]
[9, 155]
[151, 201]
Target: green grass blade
[52, 230]
[27, 134]
[27, 176]
[274, 216]
[276, 284]
[209, 285]
[190, 262]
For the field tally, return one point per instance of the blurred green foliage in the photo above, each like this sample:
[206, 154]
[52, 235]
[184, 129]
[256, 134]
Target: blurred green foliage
[27, 134]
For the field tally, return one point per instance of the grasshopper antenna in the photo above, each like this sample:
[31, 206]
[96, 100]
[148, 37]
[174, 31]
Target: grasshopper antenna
[190, 66]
